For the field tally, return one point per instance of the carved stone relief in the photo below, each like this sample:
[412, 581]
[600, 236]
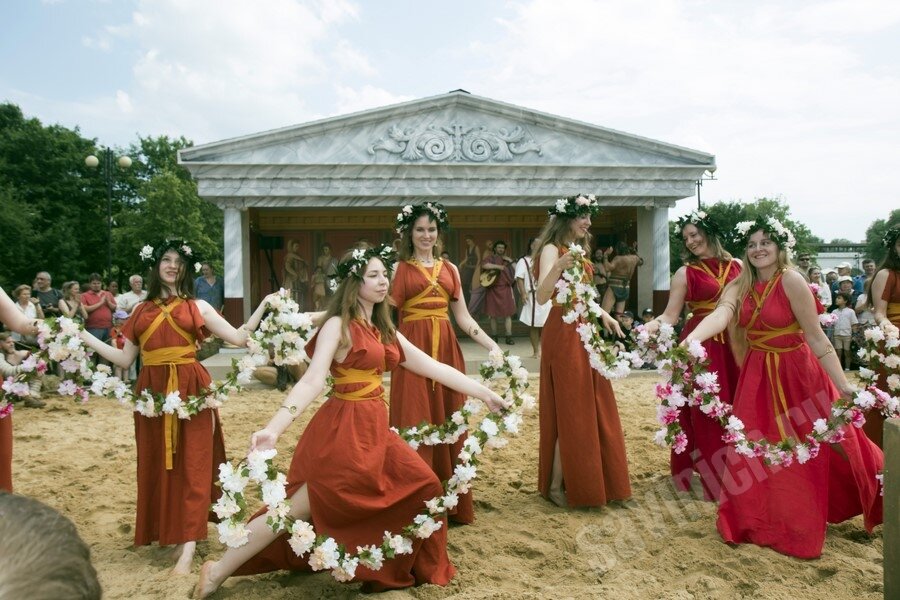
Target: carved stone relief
[456, 143]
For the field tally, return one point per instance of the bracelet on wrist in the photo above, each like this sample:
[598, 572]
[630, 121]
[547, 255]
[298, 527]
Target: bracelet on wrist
[292, 410]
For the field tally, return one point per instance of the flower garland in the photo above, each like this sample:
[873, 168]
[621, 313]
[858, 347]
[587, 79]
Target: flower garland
[691, 383]
[410, 212]
[883, 354]
[59, 341]
[359, 258]
[573, 207]
[579, 303]
[18, 386]
[776, 231]
[283, 332]
[150, 255]
[325, 552]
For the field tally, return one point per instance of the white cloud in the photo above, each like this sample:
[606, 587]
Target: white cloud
[355, 99]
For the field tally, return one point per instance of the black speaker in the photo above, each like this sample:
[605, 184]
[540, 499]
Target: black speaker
[271, 242]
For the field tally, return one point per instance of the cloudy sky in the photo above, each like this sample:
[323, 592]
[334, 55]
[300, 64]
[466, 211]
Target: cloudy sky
[797, 99]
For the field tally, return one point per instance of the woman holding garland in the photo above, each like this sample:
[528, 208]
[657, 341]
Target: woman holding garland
[15, 320]
[699, 284]
[350, 474]
[582, 446]
[789, 379]
[177, 459]
[423, 289]
[884, 296]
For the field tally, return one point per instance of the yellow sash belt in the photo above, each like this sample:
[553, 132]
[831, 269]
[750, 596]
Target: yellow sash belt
[758, 339]
[893, 313]
[170, 357]
[702, 308]
[347, 376]
[433, 294]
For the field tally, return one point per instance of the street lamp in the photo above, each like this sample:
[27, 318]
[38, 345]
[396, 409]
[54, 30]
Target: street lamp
[93, 162]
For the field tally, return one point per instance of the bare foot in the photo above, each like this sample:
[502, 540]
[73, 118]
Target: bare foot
[184, 558]
[206, 585]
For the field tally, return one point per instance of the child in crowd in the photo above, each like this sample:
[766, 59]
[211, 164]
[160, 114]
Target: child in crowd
[10, 361]
[647, 316]
[843, 328]
[117, 340]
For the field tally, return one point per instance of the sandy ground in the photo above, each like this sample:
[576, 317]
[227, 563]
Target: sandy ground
[81, 460]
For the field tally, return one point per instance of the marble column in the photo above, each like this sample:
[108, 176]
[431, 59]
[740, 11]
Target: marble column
[661, 258]
[236, 274]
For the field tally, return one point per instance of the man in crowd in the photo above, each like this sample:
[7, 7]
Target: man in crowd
[134, 296]
[210, 287]
[499, 302]
[48, 296]
[100, 305]
[803, 260]
[859, 282]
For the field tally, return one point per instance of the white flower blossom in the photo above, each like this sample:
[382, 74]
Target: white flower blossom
[302, 538]
[324, 556]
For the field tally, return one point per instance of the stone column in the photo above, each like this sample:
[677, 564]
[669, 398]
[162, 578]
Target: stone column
[236, 277]
[891, 508]
[661, 258]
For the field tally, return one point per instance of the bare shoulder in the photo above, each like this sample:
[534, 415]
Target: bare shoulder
[794, 283]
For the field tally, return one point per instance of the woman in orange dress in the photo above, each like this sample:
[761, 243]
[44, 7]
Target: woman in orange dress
[424, 289]
[884, 295]
[15, 320]
[582, 446]
[177, 458]
[699, 284]
[351, 476]
[789, 379]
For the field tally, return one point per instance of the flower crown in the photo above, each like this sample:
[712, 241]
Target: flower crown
[356, 264]
[575, 206]
[150, 255]
[777, 232]
[410, 212]
[702, 220]
[890, 237]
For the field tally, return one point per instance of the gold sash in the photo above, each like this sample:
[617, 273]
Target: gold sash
[432, 294]
[701, 308]
[169, 356]
[893, 313]
[759, 338]
[348, 376]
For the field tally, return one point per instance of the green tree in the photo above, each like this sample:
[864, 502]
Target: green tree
[842, 241]
[875, 233]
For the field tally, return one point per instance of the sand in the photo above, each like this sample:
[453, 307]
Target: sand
[81, 460]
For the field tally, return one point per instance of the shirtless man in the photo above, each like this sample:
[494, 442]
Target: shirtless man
[619, 271]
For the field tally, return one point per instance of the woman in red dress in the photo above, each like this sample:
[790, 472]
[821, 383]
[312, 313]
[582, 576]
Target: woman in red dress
[582, 446]
[699, 284]
[351, 475]
[789, 379]
[424, 288]
[15, 320]
[884, 296]
[177, 459]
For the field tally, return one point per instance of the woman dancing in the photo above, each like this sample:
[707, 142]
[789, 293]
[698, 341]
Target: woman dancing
[582, 445]
[789, 379]
[699, 283]
[176, 458]
[424, 288]
[350, 474]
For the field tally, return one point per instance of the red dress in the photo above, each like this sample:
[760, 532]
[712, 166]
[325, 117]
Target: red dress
[578, 408]
[173, 503]
[414, 399]
[6, 447]
[782, 390]
[874, 426]
[362, 479]
[705, 450]
[498, 299]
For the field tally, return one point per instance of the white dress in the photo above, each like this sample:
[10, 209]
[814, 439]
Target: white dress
[533, 314]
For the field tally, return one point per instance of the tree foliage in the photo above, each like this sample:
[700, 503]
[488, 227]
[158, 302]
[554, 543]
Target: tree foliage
[875, 233]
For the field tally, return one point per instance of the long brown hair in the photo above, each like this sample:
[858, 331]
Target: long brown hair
[556, 231]
[748, 275]
[406, 250]
[184, 285]
[344, 304]
[712, 242]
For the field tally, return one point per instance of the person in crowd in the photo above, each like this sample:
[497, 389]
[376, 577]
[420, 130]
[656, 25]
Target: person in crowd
[499, 302]
[830, 278]
[789, 379]
[699, 284]
[295, 275]
[353, 491]
[843, 270]
[468, 264]
[582, 446]
[860, 281]
[475, 302]
[31, 308]
[112, 286]
[42, 555]
[48, 297]
[134, 296]
[803, 262]
[319, 288]
[176, 458]
[71, 304]
[328, 263]
[425, 290]
[279, 376]
[823, 291]
[99, 305]
[844, 285]
[843, 328]
[13, 319]
[533, 314]
[210, 287]
[884, 298]
[647, 316]
[11, 366]
[626, 322]
[619, 270]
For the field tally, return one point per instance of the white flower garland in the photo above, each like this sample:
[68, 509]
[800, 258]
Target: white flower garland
[59, 341]
[324, 551]
[284, 331]
[882, 351]
[579, 304]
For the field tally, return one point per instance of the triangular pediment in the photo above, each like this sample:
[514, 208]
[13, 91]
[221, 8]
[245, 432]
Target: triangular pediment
[454, 129]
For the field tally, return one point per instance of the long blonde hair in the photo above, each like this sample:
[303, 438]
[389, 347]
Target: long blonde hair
[556, 232]
[344, 304]
[748, 275]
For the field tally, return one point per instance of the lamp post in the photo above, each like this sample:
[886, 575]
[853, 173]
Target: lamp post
[93, 162]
